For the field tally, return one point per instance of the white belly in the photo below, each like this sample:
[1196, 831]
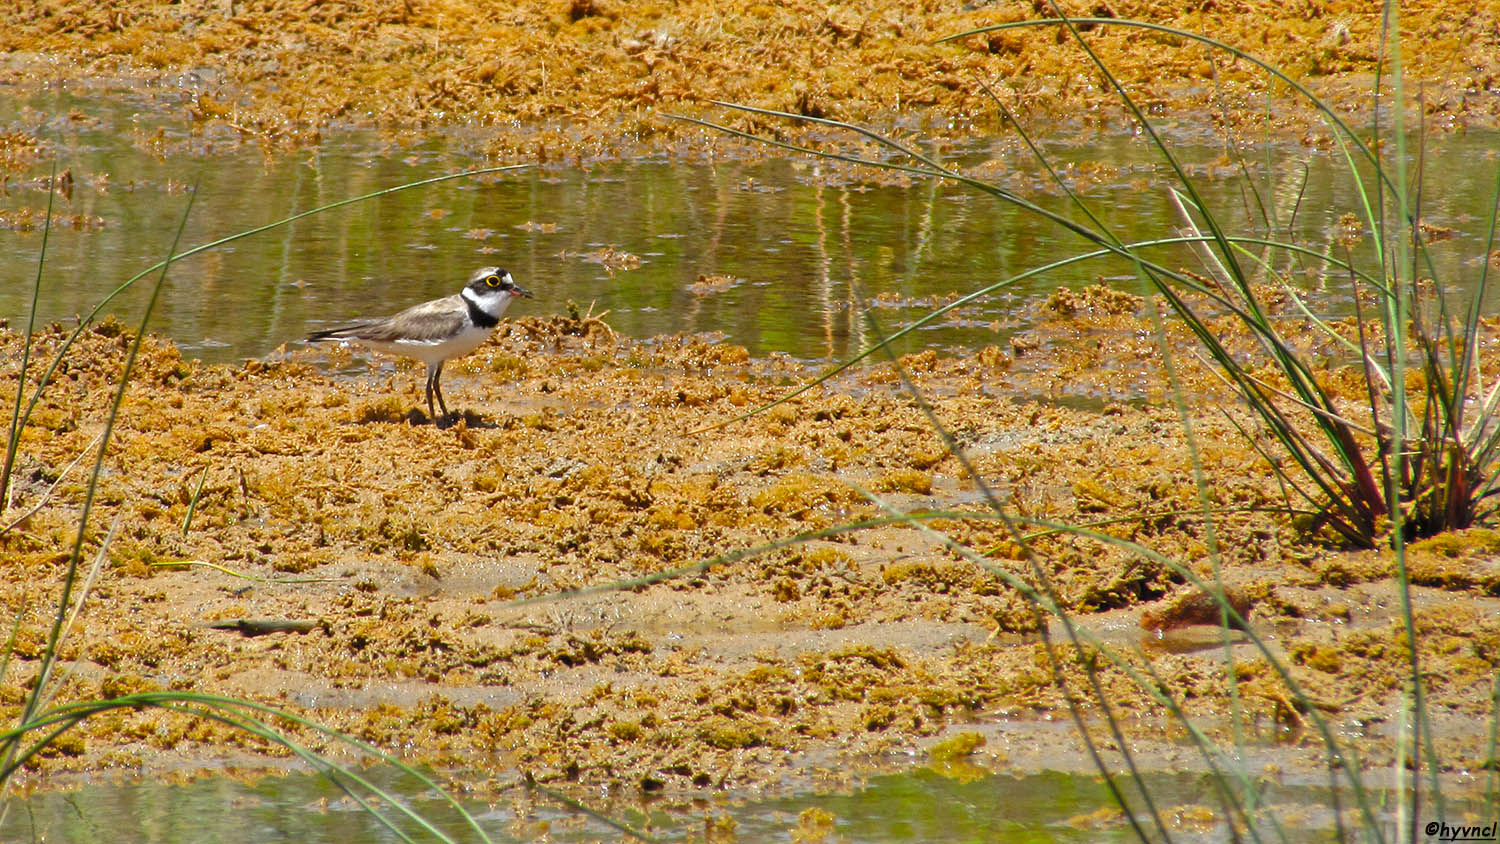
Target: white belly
[433, 353]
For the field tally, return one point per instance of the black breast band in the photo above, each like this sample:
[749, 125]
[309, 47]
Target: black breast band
[478, 315]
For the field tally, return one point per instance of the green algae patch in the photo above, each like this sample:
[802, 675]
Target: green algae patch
[805, 497]
[957, 747]
[1459, 561]
[388, 409]
[814, 826]
[1462, 543]
[910, 481]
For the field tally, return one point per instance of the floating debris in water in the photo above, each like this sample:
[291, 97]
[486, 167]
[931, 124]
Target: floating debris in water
[609, 257]
[708, 284]
[31, 219]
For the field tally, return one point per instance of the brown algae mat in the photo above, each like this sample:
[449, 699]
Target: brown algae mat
[404, 554]
[401, 556]
[588, 78]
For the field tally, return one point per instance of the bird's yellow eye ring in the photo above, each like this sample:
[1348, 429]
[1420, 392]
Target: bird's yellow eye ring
[493, 281]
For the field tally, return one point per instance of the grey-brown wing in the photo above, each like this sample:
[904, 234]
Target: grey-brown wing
[424, 323]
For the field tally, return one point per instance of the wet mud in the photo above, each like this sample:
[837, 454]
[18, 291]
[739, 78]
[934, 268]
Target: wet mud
[351, 563]
[588, 79]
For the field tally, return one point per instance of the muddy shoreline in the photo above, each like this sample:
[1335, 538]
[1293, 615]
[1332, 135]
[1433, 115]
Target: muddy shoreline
[407, 549]
[591, 80]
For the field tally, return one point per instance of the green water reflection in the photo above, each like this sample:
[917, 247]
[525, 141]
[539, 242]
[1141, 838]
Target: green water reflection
[915, 807]
[795, 237]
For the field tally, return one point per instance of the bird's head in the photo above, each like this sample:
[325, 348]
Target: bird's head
[490, 282]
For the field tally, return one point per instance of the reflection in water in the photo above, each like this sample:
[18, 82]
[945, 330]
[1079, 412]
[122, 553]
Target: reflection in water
[796, 233]
[964, 803]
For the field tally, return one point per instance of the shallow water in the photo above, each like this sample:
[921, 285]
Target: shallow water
[796, 237]
[904, 808]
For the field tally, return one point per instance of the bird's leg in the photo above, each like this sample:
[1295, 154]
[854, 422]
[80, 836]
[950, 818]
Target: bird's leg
[437, 387]
[431, 381]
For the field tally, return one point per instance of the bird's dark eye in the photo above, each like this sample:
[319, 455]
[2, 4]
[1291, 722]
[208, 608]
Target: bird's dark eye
[493, 281]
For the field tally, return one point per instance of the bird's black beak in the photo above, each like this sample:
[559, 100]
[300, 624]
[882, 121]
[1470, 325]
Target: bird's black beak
[516, 290]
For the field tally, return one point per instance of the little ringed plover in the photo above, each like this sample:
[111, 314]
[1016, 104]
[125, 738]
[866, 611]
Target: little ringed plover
[434, 331]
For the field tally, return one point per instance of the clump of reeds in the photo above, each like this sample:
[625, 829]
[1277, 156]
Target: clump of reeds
[1412, 455]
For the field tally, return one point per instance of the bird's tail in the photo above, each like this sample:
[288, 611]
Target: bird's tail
[343, 332]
